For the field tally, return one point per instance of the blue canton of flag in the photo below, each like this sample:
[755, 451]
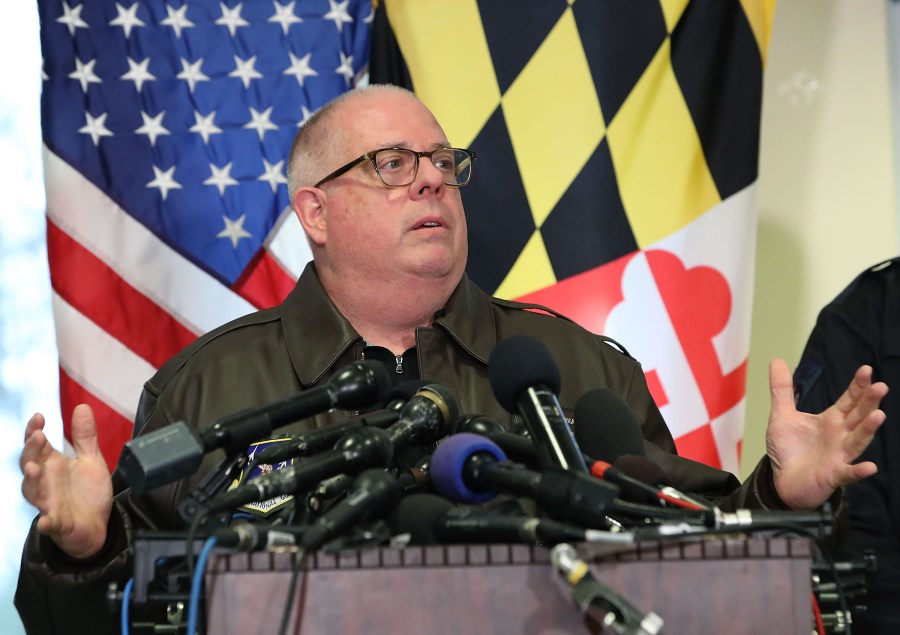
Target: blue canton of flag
[185, 114]
[166, 129]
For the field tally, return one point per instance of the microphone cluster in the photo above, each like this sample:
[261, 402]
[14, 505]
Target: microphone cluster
[590, 484]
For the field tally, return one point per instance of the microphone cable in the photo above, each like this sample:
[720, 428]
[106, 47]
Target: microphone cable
[300, 559]
[197, 583]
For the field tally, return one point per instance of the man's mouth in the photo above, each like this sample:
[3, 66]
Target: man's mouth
[429, 224]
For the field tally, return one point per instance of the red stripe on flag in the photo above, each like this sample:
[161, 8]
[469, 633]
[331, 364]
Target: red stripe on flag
[113, 430]
[264, 283]
[98, 292]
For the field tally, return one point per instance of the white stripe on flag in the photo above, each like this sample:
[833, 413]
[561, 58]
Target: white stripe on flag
[288, 245]
[86, 213]
[97, 361]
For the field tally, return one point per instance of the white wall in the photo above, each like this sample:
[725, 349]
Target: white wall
[826, 198]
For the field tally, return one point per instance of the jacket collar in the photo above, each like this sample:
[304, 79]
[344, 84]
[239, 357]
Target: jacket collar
[469, 319]
[318, 335]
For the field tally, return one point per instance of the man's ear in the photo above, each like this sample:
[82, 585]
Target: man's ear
[309, 205]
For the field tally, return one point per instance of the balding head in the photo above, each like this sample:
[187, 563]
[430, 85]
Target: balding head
[319, 142]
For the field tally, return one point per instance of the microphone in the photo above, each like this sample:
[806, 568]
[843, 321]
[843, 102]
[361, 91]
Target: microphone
[413, 518]
[175, 452]
[424, 418]
[374, 493]
[646, 471]
[526, 380]
[606, 427]
[620, 616]
[634, 478]
[631, 488]
[417, 478]
[428, 519]
[245, 536]
[313, 441]
[515, 446]
[470, 468]
[465, 525]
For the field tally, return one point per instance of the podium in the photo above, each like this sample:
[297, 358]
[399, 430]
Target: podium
[736, 586]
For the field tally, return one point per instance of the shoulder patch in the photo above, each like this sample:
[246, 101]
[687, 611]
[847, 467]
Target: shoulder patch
[253, 470]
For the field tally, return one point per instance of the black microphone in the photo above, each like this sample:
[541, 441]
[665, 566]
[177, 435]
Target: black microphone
[312, 441]
[428, 519]
[425, 417]
[374, 494]
[321, 439]
[417, 478]
[326, 490]
[412, 521]
[632, 489]
[175, 452]
[245, 536]
[515, 446]
[526, 380]
[470, 468]
[466, 525]
[644, 470]
[606, 426]
[356, 451]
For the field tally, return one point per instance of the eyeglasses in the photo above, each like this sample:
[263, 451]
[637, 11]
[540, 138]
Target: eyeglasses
[398, 167]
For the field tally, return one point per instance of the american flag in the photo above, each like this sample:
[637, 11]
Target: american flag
[166, 129]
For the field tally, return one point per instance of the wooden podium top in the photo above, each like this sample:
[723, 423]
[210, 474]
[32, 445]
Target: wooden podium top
[754, 585]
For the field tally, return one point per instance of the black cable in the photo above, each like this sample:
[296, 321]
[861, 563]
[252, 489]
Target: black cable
[292, 590]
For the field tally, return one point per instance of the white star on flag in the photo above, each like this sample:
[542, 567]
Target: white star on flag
[152, 127]
[127, 18]
[221, 177]
[205, 126]
[72, 18]
[338, 14]
[96, 127]
[138, 73]
[164, 181]
[84, 73]
[234, 230]
[245, 70]
[260, 121]
[232, 18]
[346, 68]
[284, 15]
[177, 19]
[273, 174]
[191, 73]
[300, 67]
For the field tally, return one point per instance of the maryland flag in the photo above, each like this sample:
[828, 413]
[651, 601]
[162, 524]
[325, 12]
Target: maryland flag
[618, 146]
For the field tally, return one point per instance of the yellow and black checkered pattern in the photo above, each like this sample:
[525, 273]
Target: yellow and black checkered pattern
[602, 126]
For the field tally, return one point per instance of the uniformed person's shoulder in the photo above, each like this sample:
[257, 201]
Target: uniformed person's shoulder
[874, 282]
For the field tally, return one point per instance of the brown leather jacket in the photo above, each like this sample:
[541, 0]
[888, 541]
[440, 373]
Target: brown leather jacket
[275, 353]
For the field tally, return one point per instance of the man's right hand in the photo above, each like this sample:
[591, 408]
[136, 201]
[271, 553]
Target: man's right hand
[74, 496]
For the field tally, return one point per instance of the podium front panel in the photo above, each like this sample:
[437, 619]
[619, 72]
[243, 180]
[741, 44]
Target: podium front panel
[752, 586]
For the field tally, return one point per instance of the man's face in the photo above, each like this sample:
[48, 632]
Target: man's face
[375, 230]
